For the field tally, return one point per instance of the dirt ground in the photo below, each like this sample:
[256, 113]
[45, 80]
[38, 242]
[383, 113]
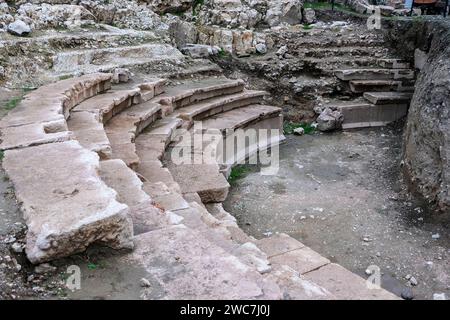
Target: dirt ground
[341, 195]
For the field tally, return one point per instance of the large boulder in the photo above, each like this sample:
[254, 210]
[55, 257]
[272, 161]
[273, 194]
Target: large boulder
[427, 136]
[329, 120]
[284, 12]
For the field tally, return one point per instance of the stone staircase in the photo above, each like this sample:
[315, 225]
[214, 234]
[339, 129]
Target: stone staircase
[381, 95]
[52, 55]
[93, 163]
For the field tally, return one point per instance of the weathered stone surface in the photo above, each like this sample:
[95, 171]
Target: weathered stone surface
[205, 179]
[388, 97]
[90, 133]
[107, 105]
[361, 115]
[309, 16]
[73, 207]
[375, 74]
[278, 244]
[360, 86]
[214, 106]
[239, 118]
[119, 177]
[427, 137]
[19, 28]
[301, 260]
[345, 285]
[329, 120]
[296, 287]
[284, 11]
[40, 116]
[203, 270]
[56, 100]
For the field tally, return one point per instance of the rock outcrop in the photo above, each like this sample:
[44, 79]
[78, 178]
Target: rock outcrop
[427, 137]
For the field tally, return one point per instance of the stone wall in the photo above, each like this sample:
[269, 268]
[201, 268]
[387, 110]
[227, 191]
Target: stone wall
[427, 134]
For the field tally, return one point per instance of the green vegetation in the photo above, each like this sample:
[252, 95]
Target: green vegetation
[13, 102]
[196, 6]
[307, 26]
[65, 77]
[237, 173]
[223, 53]
[92, 266]
[289, 127]
[2, 155]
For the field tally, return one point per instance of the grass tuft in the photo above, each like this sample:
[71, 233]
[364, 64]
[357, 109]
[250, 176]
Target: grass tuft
[289, 127]
[237, 173]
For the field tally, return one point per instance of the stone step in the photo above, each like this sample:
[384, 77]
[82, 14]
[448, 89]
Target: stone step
[388, 97]
[360, 114]
[41, 116]
[203, 270]
[152, 142]
[393, 64]
[204, 179]
[130, 190]
[345, 285]
[107, 105]
[62, 40]
[181, 95]
[124, 127]
[328, 64]
[317, 277]
[239, 118]
[108, 58]
[360, 86]
[323, 52]
[90, 133]
[153, 171]
[374, 74]
[73, 208]
[213, 106]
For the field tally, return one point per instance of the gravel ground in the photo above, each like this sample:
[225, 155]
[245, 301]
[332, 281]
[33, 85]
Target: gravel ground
[342, 195]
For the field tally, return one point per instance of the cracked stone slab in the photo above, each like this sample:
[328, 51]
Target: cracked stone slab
[301, 260]
[188, 266]
[66, 205]
[33, 134]
[345, 285]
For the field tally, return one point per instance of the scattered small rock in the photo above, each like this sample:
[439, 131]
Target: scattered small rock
[413, 281]
[435, 236]
[439, 296]
[282, 51]
[145, 283]
[261, 48]
[19, 28]
[299, 131]
[407, 294]
[44, 268]
[17, 247]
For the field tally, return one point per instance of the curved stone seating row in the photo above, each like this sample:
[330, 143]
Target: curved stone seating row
[71, 200]
[40, 116]
[67, 205]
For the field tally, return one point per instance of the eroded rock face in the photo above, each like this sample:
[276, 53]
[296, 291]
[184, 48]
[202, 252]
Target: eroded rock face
[41, 16]
[250, 13]
[427, 137]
